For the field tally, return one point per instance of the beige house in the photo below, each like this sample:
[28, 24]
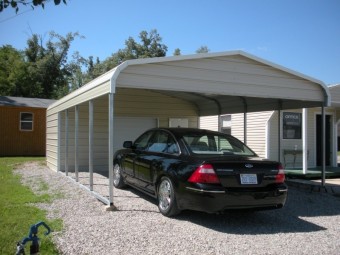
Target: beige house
[86, 127]
[300, 130]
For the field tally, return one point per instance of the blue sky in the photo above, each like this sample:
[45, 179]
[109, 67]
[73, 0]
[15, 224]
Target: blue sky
[303, 35]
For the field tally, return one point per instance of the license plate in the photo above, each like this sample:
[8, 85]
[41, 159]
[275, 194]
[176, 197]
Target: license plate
[248, 178]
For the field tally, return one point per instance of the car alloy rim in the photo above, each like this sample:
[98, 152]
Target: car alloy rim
[116, 174]
[164, 195]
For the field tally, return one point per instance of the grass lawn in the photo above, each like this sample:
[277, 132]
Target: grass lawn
[17, 210]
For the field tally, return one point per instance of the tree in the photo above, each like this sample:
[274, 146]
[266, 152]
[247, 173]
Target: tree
[33, 3]
[48, 65]
[177, 52]
[202, 49]
[150, 46]
[40, 70]
[13, 68]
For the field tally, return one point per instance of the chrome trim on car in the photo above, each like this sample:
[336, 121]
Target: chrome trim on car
[206, 191]
[225, 170]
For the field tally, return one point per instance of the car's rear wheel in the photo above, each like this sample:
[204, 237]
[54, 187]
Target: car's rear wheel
[118, 180]
[167, 204]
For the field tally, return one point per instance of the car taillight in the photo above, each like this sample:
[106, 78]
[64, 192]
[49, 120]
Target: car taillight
[280, 177]
[204, 174]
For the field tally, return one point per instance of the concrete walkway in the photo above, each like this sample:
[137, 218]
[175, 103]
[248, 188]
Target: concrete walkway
[332, 186]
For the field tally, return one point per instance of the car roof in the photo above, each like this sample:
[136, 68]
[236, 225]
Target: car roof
[181, 131]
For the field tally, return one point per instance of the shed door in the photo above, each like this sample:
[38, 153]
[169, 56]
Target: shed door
[129, 128]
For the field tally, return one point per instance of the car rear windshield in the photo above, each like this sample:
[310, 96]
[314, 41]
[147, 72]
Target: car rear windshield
[218, 144]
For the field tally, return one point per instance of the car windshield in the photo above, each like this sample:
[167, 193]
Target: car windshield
[218, 144]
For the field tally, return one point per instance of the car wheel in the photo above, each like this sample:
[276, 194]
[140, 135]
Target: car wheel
[118, 181]
[167, 204]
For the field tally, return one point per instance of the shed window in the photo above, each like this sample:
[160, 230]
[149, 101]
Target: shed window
[26, 121]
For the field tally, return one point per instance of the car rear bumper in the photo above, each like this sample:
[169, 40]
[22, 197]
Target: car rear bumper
[217, 200]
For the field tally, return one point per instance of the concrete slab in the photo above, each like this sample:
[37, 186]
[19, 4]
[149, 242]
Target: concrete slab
[331, 186]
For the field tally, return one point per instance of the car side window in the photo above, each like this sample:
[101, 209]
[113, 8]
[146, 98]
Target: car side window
[163, 142]
[142, 142]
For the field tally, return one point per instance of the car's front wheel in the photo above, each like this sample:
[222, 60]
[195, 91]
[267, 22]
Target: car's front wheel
[167, 204]
[118, 181]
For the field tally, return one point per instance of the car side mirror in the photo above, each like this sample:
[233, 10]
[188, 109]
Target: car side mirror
[127, 144]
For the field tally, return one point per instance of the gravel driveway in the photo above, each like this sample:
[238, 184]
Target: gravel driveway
[308, 224]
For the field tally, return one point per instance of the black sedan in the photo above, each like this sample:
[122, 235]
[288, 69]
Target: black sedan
[196, 169]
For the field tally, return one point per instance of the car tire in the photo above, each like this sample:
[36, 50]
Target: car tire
[167, 203]
[118, 180]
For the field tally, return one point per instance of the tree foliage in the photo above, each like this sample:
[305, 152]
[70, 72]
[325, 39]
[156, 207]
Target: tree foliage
[202, 49]
[40, 70]
[149, 46]
[177, 52]
[15, 4]
[46, 69]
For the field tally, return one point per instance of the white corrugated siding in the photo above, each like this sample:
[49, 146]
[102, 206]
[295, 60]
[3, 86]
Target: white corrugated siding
[52, 141]
[209, 122]
[128, 102]
[256, 130]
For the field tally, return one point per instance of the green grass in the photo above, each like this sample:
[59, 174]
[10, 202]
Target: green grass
[17, 210]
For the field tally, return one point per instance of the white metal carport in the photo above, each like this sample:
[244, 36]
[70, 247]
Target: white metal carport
[214, 83]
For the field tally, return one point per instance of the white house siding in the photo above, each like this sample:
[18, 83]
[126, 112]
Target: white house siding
[256, 130]
[209, 122]
[335, 92]
[291, 144]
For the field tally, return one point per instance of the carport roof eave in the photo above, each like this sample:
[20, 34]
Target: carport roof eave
[91, 85]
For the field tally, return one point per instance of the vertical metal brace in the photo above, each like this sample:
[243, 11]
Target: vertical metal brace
[111, 122]
[76, 144]
[59, 142]
[323, 146]
[279, 131]
[66, 142]
[304, 141]
[245, 127]
[91, 143]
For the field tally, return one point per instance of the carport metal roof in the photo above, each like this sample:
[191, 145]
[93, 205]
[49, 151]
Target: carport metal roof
[216, 83]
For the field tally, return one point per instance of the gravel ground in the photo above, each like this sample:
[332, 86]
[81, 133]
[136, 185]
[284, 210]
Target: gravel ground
[308, 224]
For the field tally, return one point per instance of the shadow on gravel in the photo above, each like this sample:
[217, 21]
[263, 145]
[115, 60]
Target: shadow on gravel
[293, 218]
[289, 219]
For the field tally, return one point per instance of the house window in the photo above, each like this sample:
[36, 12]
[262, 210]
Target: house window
[26, 121]
[292, 125]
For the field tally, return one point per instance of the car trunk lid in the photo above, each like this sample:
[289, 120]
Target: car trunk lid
[241, 173]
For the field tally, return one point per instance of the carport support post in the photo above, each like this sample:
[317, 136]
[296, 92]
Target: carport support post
[76, 136]
[323, 146]
[304, 141]
[66, 142]
[91, 143]
[245, 127]
[111, 122]
[279, 134]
